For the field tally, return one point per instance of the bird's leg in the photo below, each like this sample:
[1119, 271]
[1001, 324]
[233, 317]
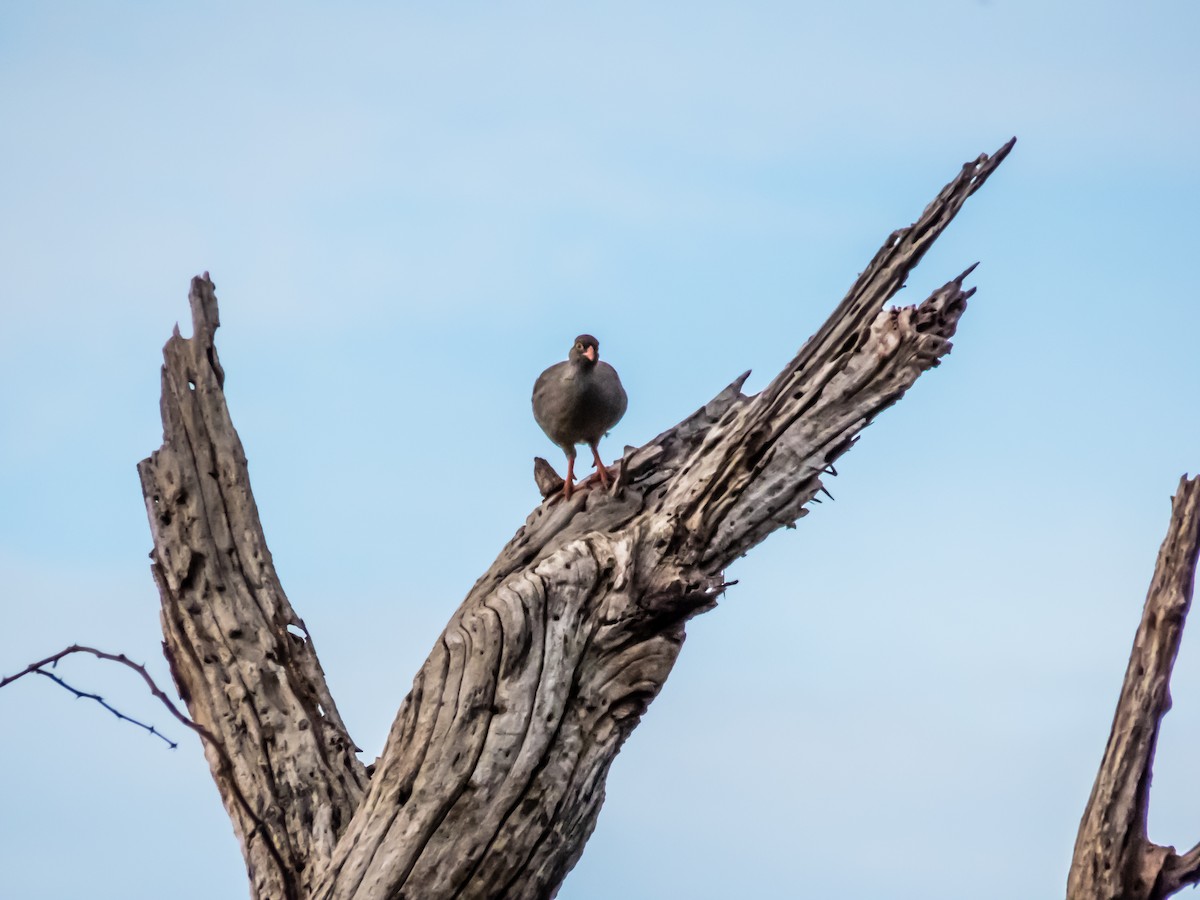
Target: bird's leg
[600, 468]
[569, 483]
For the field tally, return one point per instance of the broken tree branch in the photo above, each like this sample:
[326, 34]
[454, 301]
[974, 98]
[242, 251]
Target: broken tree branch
[239, 654]
[1114, 859]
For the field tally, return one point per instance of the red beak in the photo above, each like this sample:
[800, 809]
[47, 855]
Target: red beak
[590, 353]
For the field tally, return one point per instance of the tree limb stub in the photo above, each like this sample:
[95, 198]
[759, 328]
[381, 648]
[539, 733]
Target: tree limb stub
[1114, 859]
[493, 773]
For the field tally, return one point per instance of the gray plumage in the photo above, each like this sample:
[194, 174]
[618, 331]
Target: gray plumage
[577, 401]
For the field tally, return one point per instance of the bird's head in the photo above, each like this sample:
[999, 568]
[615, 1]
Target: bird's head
[585, 349]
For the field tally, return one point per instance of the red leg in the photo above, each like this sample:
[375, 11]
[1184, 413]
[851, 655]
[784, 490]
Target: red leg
[599, 466]
[569, 484]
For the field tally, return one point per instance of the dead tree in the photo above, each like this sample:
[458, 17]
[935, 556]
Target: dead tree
[1114, 859]
[493, 773]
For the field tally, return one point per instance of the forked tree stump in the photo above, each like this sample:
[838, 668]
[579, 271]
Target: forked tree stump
[493, 774]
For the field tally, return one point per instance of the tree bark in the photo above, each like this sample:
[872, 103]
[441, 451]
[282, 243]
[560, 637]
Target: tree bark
[493, 774]
[1114, 859]
[230, 635]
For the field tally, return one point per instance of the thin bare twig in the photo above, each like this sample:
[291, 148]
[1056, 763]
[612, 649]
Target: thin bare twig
[84, 695]
[121, 658]
[207, 736]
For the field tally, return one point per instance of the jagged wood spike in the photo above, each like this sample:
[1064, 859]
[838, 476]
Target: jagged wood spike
[1114, 859]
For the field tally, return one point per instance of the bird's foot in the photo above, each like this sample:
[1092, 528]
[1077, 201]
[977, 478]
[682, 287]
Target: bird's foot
[569, 486]
[602, 474]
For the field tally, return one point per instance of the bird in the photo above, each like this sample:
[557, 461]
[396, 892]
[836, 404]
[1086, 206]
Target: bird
[577, 401]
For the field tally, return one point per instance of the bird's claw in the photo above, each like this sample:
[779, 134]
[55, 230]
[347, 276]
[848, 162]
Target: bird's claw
[602, 474]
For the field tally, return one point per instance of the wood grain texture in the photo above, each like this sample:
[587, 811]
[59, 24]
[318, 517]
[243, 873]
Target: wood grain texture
[493, 773]
[238, 652]
[1114, 859]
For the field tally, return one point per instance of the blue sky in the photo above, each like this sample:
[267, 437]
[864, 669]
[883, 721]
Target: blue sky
[410, 211]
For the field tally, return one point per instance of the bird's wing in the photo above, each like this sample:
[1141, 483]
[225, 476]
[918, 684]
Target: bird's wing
[623, 398]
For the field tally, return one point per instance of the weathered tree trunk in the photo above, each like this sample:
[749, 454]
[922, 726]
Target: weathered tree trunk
[1114, 859]
[493, 773]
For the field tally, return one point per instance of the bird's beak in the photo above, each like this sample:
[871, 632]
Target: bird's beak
[590, 353]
